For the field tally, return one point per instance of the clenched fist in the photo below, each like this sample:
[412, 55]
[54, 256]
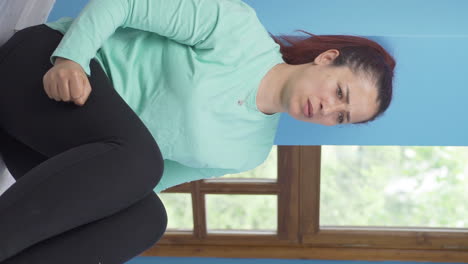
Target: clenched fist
[67, 81]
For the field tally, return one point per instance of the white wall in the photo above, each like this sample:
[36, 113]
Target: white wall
[18, 14]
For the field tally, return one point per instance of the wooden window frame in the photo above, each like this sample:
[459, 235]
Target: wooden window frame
[299, 234]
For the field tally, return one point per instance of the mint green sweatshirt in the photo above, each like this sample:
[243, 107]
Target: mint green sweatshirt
[190, 69]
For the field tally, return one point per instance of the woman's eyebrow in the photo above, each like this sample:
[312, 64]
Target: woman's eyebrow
[348, 114]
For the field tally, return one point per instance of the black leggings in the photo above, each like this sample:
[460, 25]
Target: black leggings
[84, 175]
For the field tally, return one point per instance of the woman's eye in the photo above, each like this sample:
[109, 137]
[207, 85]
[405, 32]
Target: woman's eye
[339, 92]
[340, 118]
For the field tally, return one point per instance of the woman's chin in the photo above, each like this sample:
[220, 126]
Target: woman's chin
[301, 117]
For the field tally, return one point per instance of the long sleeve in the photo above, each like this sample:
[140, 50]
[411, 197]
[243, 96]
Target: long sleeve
[189, 22]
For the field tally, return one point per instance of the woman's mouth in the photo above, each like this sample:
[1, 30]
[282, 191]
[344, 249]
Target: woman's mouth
[308, 110]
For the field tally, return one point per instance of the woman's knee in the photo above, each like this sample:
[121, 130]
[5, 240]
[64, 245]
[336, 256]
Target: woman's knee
[155, 220]
[155, 165]
[36, 32]
[146, 160]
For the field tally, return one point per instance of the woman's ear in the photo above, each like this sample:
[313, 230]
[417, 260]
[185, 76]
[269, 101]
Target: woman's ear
[327, 57]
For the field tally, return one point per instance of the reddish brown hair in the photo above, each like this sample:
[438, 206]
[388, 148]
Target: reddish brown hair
[360, 54]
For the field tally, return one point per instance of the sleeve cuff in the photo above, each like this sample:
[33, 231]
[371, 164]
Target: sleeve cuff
[84, 64]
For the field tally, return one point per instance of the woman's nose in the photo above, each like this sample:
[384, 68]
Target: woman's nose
[331, 107]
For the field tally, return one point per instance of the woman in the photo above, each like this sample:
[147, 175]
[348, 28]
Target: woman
[132, 97]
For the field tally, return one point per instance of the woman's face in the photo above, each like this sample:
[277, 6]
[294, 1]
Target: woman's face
[336, 94]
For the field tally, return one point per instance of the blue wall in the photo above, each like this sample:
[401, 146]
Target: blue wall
[365, 17]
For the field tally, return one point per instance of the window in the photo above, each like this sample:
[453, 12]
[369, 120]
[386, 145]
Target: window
[394, 186]
[305, 224]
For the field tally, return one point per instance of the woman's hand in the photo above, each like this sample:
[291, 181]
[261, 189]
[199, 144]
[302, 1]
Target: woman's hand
[67, 81]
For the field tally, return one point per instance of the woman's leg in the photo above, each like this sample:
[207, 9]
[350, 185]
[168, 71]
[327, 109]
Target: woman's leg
[112, 240]
[116, 238]
[101, 157]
